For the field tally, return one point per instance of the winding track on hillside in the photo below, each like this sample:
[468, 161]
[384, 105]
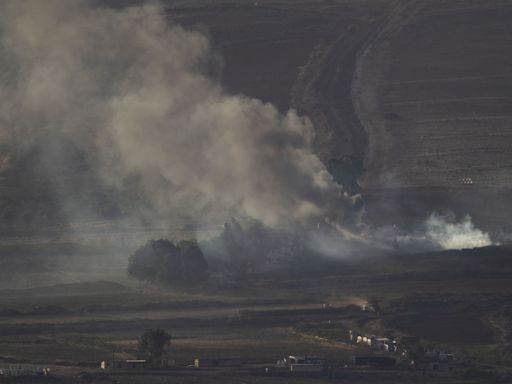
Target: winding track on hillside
[364, 97]
[322, 92]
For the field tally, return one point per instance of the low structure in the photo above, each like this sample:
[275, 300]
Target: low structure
[18, 370]
[379, 343]
[435, 360]
[124, 364]
[217, 362]
[303, 360]
[302, 364]
[384, 344]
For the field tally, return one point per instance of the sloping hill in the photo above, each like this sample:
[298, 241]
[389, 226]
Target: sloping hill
[436, 89]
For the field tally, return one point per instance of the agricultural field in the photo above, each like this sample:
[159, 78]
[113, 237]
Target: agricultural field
[432, 89]
[442, 99]
[71, 328]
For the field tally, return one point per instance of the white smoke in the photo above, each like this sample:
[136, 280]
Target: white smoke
[129, 90]
[437, 232]
[451, 234]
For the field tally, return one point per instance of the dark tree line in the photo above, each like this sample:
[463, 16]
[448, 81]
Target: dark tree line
[163, 261]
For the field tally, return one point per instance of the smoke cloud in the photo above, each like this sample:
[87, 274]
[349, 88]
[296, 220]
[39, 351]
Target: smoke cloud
[128, 89]
[437, 232]
[451, 234]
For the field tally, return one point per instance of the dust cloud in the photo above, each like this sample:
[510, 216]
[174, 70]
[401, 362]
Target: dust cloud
[128, 89]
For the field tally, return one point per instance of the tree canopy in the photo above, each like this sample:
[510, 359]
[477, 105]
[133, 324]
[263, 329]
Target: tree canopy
[152, 344]
[167, 262]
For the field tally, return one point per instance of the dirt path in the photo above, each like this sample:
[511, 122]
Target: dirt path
[322, 92]
[199, 313]
[363, 91]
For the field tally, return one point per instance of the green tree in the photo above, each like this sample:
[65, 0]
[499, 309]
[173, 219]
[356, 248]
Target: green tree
[152, 344]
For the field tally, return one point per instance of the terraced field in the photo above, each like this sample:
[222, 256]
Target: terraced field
[434, 91]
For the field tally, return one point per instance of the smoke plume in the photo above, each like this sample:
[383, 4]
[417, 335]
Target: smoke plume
[124, 93]
[437, 232]
[451, 234]
[128, 90]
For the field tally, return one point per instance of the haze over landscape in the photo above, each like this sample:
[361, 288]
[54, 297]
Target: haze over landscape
[256, 178]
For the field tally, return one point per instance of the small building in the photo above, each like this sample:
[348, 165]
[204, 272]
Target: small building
[294, 360]
[375, 361]
[384, 344]
[436, 355]
[313, 360]
[19, 370]
[217, 362]
[125, 364]
[380, 343]
[302, 364]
